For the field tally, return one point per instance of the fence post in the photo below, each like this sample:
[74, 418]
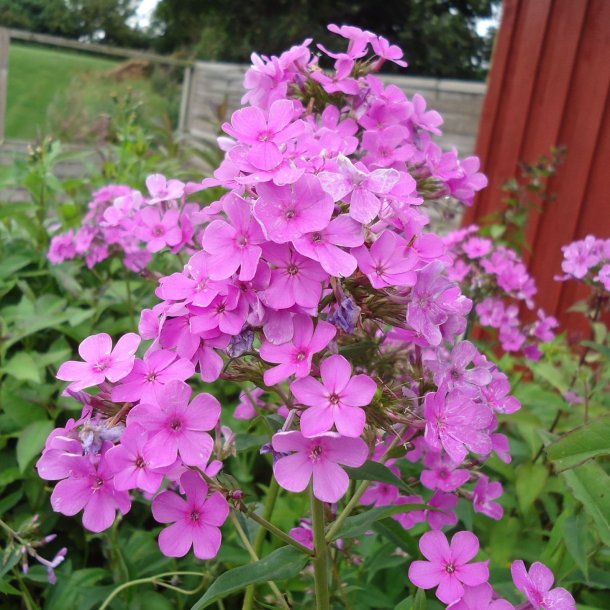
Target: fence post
[5, 42]
[184, 100]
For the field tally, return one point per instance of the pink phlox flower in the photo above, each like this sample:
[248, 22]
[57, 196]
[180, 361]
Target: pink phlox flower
[443, 515]
[159, 231]
[544, 325]
[454, 372]
[62, 248]
[603, 276]
[448, 566]
[149, 375]
[130, 462]
[476, 247]
[382, 494]
[324, 246]
[177, 334]
[471, 181]
[176, 427]
[162, 189]
[429, 120]
[580, 256]
[480, 597]
[484, 494]
[337, 135]
[536, 585]
[338, 81]
[388, 146]
[101, 362]
[358, 38]
[388, 262]
[457, 424]
[195, 521]
[497, 395]
[501, 447]
[386, 51]
[289, 212]
[90, 487]
[317, 458]
[337, 400]
[209, 360]
[303, 533]
[359, 187]
[433, 299]
[61, 451]
[265, 132]
[235, 244]
[295, 279]
[248, 401]
[412, 518]
[227, 312]
[294, 357]
[511, 338]
[443, 473]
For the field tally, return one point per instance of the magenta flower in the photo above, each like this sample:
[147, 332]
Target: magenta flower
[387, 51]
[359, 188]
[233, 245]
[163, 189]
[337, 400]
[90, 487]
[323, 246]
[130, 462]
[443, 515]
[263, 133]
[484, 495]
[177, 427]
[317, 458]
[480, 598]
[148, 377]
[455, 423]
[388, 262]
[195, 521]
[294, 357]
[159, 231]
[536, 585]
[289, 212]
[101, 362]
[294, 279]
[454, 370]
[443, 473]
[447, 567]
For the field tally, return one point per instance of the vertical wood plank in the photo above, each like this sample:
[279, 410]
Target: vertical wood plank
[5, 42]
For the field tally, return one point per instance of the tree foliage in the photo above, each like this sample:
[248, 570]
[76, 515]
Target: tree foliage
[439, 36]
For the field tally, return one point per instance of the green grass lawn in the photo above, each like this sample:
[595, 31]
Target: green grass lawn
[64, 93]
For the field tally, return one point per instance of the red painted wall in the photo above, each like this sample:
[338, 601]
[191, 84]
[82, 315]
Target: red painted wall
[549, 85]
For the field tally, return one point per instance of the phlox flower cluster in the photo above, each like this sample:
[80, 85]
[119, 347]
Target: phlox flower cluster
[122, 221]
[496, 278]
[315, 283]
[587, 260]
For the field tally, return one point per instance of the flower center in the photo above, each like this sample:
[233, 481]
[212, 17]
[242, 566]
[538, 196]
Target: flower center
[151, 376]
[290, 214]
[140, 463]
[102, 365]
[315, 453]
[300, 356]
[292, 269]
[242, 241]
[176, 425]
[98, 483]
[450, 568]
[455, 374]
[158, 230]
[316, 237]
[334, 399]
[195, 515]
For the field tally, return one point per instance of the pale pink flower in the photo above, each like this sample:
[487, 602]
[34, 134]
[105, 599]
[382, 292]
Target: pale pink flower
[485, 492]
[337, 400]
[163, 189]
[448, 566]
[317, 458]
[537, 587]
[480, 598]
[195, 521]
[159, 231]
[101, 362]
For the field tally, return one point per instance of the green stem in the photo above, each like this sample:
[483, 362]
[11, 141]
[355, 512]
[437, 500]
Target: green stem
[155, 580]
[277, 531]
[272, 494]
[254, 556]
[132, 319]
[351, 505]
[320, 561]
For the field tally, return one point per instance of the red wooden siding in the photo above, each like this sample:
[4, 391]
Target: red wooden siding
[549, 85]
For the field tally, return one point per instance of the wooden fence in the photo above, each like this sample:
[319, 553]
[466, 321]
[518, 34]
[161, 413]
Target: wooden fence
[550, 85]
[215, 90]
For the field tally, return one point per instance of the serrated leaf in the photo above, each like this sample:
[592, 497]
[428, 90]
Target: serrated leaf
[591, 485]
[23, 367]
[282, 564]
[31, 441]
[581, 444]
[374, 471]
[362, 523]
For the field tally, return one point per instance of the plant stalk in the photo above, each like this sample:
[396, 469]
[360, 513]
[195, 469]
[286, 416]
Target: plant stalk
[320, 560]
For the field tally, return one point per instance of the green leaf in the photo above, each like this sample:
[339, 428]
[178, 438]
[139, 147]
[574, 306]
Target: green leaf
[31, 441]
[8, 589]
[23, 367]
[581, 444]
[13, 263]
[598, 347]
[575, 537]
[551, 374]
[9, 501]
[282, 564]
[396, 533]
[591, 485]
[374, 471]
[530, 482]
[362, 523]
